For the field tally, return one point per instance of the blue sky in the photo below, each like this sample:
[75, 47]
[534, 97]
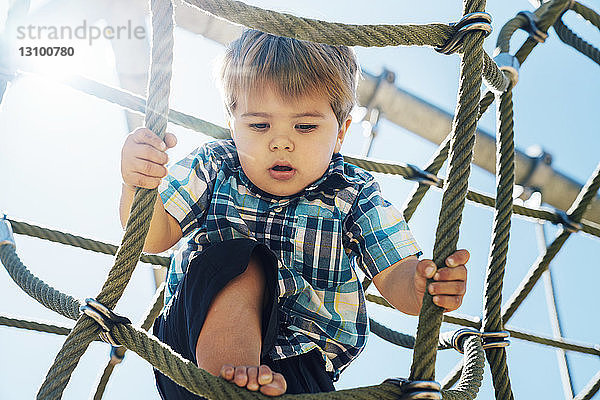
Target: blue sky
[60, 157]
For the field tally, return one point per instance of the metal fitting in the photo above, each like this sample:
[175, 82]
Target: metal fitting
[567, 223]
[116, 355]
[424, 177]
[477, 21]
[428, 390]
[509, 65]
[493, 340]
[105, 317]
[459, 337]
[532, 27]
[6, 232]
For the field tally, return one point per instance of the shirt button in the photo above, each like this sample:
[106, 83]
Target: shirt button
[278, 209]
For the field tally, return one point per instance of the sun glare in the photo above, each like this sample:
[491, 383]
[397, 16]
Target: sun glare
[78, 53]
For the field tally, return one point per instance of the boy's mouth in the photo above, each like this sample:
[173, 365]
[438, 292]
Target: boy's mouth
[282, 171]
[281, 168]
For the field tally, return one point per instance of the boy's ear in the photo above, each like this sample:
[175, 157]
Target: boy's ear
[342, 134]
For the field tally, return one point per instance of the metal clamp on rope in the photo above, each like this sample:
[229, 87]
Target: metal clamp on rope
[566, 222]
[532, 27]
[424, 177]
[116, 355]
[428, 390]
[6, 232]
[510, 66]
[459, 337]
[105, 317]
[477, 21]
[493, 340]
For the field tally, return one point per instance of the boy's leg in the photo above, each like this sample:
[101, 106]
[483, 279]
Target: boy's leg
[223, 309]
[232, 329]
[230, 341]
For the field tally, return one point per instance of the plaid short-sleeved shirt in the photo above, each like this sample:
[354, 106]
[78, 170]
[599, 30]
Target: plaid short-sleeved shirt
[320, 236]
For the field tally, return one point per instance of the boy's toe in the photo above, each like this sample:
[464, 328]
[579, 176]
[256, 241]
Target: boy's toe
[252, 379]
[275, 388]
[265, 375]
[227, 372]
[241, 376]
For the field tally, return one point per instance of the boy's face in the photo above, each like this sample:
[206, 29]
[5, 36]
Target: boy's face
[285, 145]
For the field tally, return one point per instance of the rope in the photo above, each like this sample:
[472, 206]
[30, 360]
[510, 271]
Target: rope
[141, 211]
[469, 383]
[45, 294]
[461, 153]
[569, 37]
[402, 339]
[505, 177]
[587, 13]
[52, 235]
[334, 33]
[33, 325]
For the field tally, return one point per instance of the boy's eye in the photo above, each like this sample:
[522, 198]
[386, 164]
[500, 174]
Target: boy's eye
[260, 126]
[306, 127]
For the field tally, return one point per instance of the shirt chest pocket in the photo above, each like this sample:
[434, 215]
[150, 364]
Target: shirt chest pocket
[318, 252]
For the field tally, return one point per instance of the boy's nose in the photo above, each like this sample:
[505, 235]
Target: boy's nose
[281, 143]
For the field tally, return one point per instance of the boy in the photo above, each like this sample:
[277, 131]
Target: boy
[265, 293]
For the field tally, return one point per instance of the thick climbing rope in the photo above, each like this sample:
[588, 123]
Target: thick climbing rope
[282, 24]
[462, 139]
[455, 191]
[141, 211]
[546, 14]
[572, 39]
[505, 177]
[77, 241]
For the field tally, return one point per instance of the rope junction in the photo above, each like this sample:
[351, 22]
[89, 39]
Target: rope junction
[488, 339]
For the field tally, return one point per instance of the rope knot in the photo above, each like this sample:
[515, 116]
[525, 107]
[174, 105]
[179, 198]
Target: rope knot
[6, 233]
[477, 21]
[105, 317]
[531, 26]
[428, 390]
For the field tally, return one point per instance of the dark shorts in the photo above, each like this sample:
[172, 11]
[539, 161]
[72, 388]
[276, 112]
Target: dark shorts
[179, 325]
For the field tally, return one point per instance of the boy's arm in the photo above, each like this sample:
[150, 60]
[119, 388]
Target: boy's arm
[142, 165]
[164, 230]
[404, 283]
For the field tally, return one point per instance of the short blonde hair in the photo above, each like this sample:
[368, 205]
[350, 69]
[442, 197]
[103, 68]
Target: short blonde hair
[293, 68]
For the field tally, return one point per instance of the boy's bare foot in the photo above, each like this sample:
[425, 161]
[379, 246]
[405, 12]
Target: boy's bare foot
[255, 378]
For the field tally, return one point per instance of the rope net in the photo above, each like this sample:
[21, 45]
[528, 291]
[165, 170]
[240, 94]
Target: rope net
[476, 67]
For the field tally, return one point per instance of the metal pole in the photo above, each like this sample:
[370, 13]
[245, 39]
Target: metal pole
[561, 355]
